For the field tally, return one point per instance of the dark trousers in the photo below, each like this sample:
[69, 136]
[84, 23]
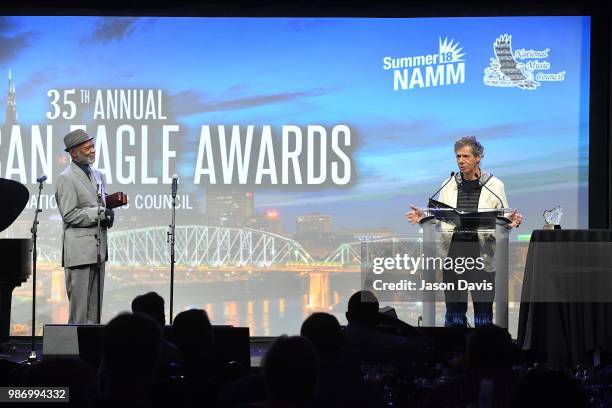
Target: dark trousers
[466, 245]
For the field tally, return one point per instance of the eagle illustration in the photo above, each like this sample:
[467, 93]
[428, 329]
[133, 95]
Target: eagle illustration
[506, 68]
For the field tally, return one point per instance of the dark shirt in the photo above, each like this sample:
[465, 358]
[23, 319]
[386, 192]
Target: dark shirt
[468, 195]
[85, 167]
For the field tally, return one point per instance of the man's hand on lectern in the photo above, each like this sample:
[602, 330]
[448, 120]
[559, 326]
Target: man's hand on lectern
[516, 219]
[414, 215]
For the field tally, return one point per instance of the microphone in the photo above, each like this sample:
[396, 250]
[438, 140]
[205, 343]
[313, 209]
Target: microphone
[491, 191]
[440, 189]
[174, 184]
[41, 179]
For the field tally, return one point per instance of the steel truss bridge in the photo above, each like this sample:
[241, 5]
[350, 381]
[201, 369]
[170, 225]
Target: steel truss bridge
[203, 245]
[351, 253]
[220, 247]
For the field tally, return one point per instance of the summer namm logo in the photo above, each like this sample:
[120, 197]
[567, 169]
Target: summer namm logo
[507, 69]
[446, 67]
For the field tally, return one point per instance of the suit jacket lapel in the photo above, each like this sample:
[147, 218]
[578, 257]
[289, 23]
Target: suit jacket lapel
[96, 179]
[80, 174]
[455, 189]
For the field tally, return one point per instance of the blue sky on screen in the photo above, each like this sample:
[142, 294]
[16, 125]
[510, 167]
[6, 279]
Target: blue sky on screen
[330, 71]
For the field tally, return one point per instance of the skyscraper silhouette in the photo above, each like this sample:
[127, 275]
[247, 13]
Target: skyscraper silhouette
[10, 116]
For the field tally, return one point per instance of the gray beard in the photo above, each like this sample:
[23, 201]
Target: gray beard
[84, 159]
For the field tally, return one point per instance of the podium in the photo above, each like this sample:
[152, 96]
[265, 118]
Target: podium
[491, 225]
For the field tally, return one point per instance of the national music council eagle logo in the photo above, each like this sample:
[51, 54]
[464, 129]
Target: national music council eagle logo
[505, 71]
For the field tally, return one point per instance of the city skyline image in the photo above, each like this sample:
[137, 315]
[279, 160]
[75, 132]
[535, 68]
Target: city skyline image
[292, 145]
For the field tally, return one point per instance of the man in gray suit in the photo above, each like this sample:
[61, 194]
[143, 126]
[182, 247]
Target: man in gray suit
[77, 200]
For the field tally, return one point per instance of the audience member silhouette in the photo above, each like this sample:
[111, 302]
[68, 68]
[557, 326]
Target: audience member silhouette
[170, 359]
[367, 345]
[485, 375]
[290, 370]
[130, 359]
[491, 346]
[243, 391]
[324, 332]
[152, 305]
[340, 384]
[193, 335]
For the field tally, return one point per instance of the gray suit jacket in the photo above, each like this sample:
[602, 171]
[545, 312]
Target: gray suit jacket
[77, 201]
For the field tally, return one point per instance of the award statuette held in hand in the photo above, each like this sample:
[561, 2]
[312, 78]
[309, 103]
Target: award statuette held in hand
[552, 218]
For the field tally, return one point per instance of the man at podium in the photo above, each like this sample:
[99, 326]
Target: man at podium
[470, 190]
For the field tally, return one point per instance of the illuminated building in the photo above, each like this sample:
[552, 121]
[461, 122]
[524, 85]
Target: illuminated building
[229, 208]
[269, 221]
[314, 223]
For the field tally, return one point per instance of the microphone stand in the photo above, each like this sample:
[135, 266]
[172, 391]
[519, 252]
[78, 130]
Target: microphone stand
[171, 239]
[32, 358]
[440, 189]
[99, 255]
[491, 191]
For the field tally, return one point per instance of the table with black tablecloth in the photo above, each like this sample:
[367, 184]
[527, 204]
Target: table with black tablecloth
[566, 300]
